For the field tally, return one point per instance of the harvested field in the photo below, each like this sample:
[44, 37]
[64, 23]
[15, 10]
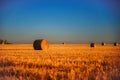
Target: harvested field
[60, 62]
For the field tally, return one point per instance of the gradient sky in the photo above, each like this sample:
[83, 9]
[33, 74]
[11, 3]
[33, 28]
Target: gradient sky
[69, 21]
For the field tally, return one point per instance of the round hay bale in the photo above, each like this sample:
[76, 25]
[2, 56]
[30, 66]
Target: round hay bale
[40, 44]
[103, 44]
[63, 43]
[92, 45]
[115, 44]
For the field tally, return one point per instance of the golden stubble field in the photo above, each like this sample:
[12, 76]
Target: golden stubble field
[60, 62]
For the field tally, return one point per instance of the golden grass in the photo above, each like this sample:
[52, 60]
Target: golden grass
[60, 62]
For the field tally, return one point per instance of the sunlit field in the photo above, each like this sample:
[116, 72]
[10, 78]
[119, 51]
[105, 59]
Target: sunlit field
[60, 62]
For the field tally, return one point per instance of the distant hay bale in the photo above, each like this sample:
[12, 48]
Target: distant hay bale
[92, 45]
[40, 44]
[63, 43]
[115, 44]
[103, 44]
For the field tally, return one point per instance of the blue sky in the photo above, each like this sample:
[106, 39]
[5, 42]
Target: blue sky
[70, 21]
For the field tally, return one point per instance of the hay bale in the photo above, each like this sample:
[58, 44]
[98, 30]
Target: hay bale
[63, 43]
[41, 44]
[115, 44]
[103, 44]
[92, 45]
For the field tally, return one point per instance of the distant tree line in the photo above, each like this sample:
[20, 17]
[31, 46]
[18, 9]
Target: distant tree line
[4, 42]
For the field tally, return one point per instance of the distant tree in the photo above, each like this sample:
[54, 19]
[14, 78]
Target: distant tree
[5, 42]
[1, 41]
